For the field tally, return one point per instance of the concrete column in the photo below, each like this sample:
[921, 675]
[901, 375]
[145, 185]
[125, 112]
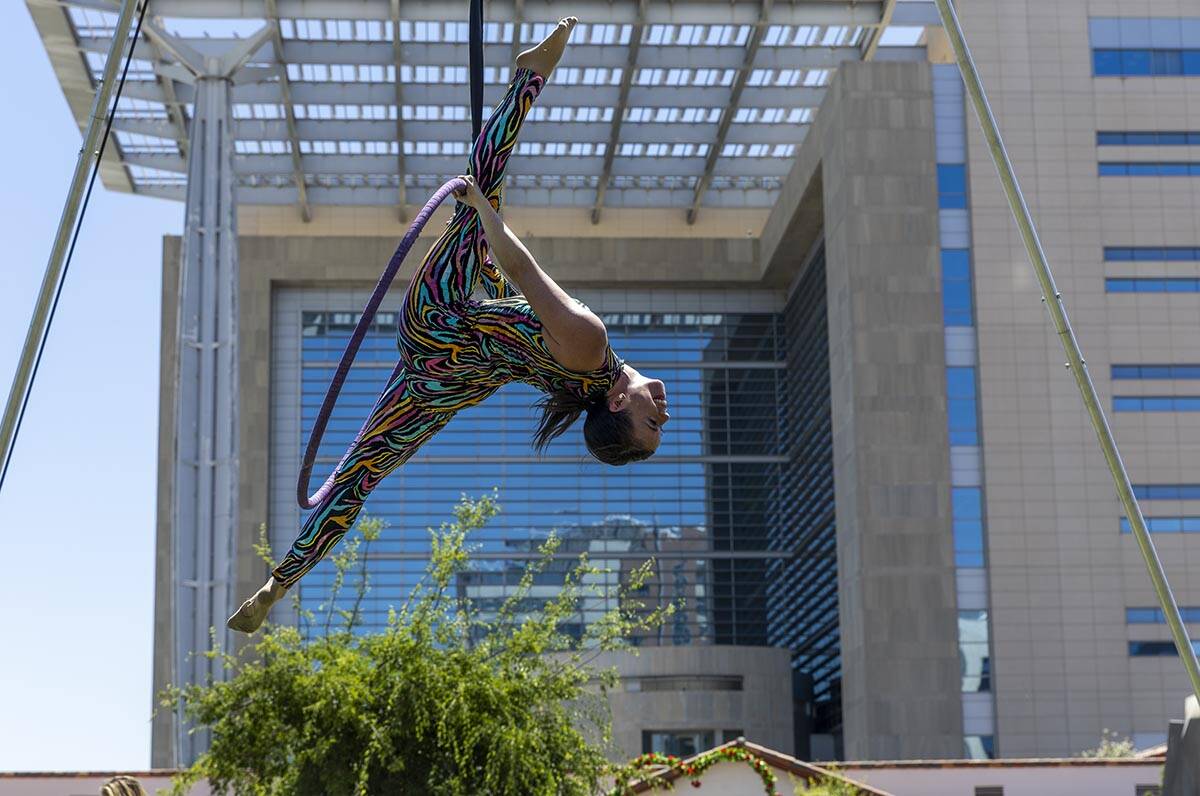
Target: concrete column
[900, 664]
[206, 439]
[203, 511]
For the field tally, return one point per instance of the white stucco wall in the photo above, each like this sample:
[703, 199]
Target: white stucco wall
[1108, 778]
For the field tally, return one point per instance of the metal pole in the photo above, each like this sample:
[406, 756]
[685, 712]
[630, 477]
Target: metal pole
[39, 325]
[1062, 325]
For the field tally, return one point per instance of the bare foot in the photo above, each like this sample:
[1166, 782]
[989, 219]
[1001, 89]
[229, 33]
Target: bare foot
[543, 58]
[250, 616]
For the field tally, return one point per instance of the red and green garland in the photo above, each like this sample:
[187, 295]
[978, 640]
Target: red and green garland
[696, 766]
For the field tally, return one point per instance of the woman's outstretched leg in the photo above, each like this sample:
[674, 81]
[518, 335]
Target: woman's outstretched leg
[452, 268]
[397, 427]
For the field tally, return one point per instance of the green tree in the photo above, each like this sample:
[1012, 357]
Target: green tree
[445, 701]
[1111, 745]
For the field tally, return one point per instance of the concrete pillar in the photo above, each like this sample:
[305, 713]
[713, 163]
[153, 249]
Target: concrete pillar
[204, 482]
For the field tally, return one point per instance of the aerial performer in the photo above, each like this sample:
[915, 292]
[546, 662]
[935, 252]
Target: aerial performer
[456, 351]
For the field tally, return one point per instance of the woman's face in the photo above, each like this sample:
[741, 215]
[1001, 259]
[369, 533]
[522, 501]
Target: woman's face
[646, 401]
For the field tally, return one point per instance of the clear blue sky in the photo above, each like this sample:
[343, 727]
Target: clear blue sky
[77, 512]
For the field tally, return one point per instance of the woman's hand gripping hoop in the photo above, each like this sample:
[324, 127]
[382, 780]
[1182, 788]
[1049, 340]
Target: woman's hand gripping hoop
[459, 187]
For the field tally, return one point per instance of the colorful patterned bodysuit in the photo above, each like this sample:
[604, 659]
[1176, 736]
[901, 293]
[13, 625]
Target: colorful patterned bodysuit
[454, 351]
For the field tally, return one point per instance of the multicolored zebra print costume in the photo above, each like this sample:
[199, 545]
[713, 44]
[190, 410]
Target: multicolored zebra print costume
[454, 351]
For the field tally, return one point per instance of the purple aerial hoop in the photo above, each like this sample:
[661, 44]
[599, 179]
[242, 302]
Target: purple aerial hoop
[360, 331]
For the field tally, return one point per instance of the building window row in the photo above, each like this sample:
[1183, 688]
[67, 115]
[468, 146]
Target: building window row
[1156, 649]
[974, 653]
[1153, 169]
[1152, 254]
[1167, 491]
[967, 520]
[1156, 371]
[952, 186]
[961, 406]
[1156, 403]
[1145, 46]
[1145, 63]
[1151, 285]
[1165, 524]
[957, 302]
[962, 409]
[1147, 138]
[1155, 616]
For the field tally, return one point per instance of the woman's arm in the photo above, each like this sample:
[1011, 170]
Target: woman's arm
[576, 337]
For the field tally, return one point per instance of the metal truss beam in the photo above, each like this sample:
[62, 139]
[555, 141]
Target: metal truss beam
[871, 43]
[532, 166]
[369, 196]
[730, 109]
[289, 112]
[664, 56]
[570, 132]
[712, 12]
[572, 96]
[174, 108]
[398, 100]
[614, 135]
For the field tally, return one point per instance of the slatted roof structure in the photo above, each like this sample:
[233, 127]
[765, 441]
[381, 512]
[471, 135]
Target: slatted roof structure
[688, 104]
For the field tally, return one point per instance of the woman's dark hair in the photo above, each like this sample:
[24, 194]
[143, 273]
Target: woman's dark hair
[608, 434]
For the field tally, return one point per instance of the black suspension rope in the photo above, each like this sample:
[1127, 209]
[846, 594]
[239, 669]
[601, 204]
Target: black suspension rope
[476, 48]
[74, 239]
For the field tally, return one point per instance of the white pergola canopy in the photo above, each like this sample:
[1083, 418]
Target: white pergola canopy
[690, 104]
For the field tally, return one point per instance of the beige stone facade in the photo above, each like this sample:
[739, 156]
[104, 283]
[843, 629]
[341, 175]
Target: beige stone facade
[1061, 574]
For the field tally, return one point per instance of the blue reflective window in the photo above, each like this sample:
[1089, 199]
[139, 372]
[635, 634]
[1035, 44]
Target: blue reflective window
[1106, 63]
[1149, 169]
[952, 186]
[967, 523]
[1167, 491]
[1155, 649]
[1155, 616]
[1119, 254]
[1156, 403]
[962, 420]
[1166, 62]
[956, 264]
[957, 301]
[1165, 525]
[1142, 285]
[960, 382]
[967, 502]
[961, 408]
[1156, 371]
[1136, 63]
[1144, 62]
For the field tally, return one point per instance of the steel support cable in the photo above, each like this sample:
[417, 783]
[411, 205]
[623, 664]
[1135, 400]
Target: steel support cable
[31, 357]
[476, 67]
[1062, 327]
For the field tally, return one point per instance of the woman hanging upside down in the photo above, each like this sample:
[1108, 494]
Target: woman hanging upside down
[456, 351]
